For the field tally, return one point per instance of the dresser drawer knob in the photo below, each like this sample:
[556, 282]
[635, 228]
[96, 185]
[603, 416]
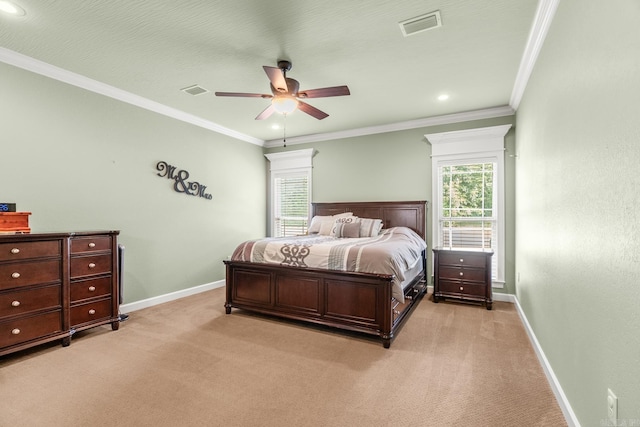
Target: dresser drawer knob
[15, 251]
[15, 275]
[92, 265]
[15, 331]
[461, 259]
[92, 245]
[15, 304]
[461, 273]
[92, 311]
[92, 288]
[396, 312]
[461, 288]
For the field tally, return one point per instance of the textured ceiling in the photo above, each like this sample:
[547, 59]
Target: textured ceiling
[154, 48]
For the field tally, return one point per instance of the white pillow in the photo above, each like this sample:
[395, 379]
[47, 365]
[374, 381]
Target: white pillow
[318, 220]
[370, 227]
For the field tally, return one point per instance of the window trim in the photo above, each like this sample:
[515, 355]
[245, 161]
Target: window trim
[283, 164]
[481, 145]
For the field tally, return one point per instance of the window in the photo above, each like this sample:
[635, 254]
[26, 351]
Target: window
[290, 204]
[468, 192]
[290, 192]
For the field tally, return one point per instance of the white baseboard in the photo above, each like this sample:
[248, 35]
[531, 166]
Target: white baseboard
[160, 299]
[569, 415]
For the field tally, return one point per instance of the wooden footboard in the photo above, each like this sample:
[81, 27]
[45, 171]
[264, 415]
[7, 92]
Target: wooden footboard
[349, 301]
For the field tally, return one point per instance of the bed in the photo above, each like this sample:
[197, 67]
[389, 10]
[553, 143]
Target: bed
[372, 303]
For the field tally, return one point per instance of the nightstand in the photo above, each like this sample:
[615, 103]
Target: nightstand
[464, 275]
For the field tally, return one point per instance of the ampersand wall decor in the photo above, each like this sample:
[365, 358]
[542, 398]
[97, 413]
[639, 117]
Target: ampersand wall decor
[181, 183]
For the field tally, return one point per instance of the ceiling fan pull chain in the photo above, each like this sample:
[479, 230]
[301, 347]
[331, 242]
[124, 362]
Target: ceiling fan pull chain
[284, 136]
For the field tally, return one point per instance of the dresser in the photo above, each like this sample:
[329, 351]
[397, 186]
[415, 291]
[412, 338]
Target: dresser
[54, 284]
[464, 275]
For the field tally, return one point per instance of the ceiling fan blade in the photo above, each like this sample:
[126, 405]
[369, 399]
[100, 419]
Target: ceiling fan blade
[244, 95]
[266, 112]
[312, 111]
[325, 92]
[276, 77]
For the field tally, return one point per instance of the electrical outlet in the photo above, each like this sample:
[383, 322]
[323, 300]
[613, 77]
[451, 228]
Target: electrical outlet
[612, 408]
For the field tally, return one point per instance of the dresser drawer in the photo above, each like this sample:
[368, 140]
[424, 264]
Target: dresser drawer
[90, 244]
[14, 275]
[460, 287]
[25, 250]
[92, 288]
[462, 259]
[30, 300]
[477, 275]
[90, 265]
[30, 327]
[90, 312]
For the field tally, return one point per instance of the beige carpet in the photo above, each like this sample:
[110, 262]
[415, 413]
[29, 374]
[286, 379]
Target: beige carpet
[186, 363]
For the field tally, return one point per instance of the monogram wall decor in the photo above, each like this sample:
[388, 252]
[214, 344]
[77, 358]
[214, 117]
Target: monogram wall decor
[181, 183]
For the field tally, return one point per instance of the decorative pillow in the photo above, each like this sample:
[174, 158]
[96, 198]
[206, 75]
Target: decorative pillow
[343, 220]
[316, 222]
[347, 229]
[324, 224]
[370, 227]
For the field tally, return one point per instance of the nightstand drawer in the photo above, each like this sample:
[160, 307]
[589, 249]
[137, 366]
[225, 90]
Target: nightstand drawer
[462, 259]
[26, 250]
[90, 265]
[31, 327]
[29, 300]
[92, 288]
[90, 312]
[459, 287]
[475, 274]
[16, 275]
[90, 244]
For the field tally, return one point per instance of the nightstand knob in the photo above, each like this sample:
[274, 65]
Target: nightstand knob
[15, 304]
[92, 288]
[92, 265]
[15, 251]
[15, 275]
[92, 311]
[461, 288]
[92, 245]
[461, 273]
[396, 312]
[15, 331]
[461, 259]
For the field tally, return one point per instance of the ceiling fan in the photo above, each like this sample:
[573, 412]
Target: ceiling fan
[286, 94]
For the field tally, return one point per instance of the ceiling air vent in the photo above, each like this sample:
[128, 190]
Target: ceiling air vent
[194, 90]
[421, 23]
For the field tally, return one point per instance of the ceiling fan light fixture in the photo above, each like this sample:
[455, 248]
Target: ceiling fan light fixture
[284, 104]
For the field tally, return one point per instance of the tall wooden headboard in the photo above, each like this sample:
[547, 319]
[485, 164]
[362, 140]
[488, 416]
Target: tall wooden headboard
[392, 214]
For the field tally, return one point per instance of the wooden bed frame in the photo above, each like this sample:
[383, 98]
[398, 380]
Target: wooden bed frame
[349, 301]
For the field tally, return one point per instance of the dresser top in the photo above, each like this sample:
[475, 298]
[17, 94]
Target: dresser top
[54, 235]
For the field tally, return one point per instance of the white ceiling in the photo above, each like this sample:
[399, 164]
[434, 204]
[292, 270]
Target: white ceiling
[146, 51]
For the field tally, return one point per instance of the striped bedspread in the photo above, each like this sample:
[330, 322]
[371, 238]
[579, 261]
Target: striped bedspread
[393, 251]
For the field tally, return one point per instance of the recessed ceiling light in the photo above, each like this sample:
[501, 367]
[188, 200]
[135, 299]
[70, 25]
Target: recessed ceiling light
[11, 8]
[443, 97]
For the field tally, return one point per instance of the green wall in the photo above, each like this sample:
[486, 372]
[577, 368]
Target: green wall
[82, 161]
[396, 166]
[577, 209]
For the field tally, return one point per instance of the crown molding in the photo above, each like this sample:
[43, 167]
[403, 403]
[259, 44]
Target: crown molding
[541, 23]
[30, 64]
[487, 113]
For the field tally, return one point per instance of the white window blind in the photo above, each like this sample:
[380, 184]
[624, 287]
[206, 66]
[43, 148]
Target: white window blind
[291, 204]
